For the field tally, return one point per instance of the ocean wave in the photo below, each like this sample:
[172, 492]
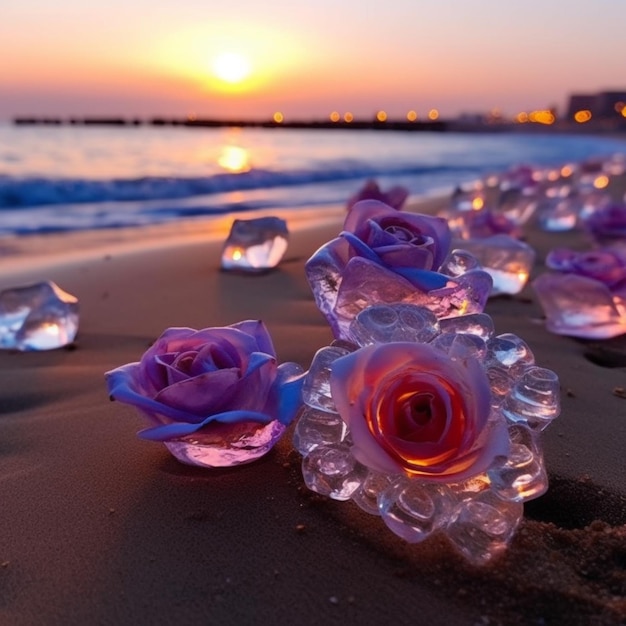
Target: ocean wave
[24, 192]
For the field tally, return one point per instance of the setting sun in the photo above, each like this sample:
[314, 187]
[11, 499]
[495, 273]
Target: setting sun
[231, 67]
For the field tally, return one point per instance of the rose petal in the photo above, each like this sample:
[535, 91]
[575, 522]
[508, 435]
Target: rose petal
[216, 355]
[359, 246]
[371, 388]
[258, 330]
[202, 395]
[122, 385]
[406, 255]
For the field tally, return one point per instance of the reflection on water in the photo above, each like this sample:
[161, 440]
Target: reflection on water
[234, 159]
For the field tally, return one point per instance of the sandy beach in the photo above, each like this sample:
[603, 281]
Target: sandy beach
[100, 527]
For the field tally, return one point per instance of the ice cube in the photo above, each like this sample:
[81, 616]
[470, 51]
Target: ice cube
[40, 316]
[508, 261]
[255, 245]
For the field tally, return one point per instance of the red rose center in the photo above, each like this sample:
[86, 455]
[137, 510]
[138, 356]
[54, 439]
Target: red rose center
[419, 409]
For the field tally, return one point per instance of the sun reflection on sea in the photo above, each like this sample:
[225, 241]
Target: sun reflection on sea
[234, 159]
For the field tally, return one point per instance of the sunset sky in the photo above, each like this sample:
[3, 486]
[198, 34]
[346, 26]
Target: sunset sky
[304, 58]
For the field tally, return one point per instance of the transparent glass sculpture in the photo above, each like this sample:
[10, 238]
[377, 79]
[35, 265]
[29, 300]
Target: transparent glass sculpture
[255, 245]
[508, 261]
[579, 306]
[225, 445]
[478, 514]
[415, 509]
[344, 285]
[332, 471]
[557, 214]
[40, 316]
[482, 527]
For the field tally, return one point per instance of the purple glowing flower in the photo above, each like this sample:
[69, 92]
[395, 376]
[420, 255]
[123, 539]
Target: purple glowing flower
[482, 224]
[607, 223]
[394, 197]
[385, 255]
[211, 385]
[412, 409]
[586, 295]
[605, 265]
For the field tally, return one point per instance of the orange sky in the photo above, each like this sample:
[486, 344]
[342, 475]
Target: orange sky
[306, 59]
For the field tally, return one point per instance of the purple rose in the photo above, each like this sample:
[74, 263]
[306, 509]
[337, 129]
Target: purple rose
[586, 296]
[487, 222]
[394, 197]
[398, 239]
[607, 223]
[604, 265]
[198, 381]
[519, 177]
[481, 224]
[412, 409]
[385, 255]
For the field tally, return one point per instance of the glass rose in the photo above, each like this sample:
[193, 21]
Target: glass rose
[483, 223]
[394, 196]
[438, 430]
[608, 224]
[215, 397]
[385, 255]
[411, 409]
[586, 294]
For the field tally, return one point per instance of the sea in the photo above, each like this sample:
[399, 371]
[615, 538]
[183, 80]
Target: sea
[68, 178]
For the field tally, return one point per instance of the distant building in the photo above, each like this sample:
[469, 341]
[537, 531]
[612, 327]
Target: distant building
[602, 106]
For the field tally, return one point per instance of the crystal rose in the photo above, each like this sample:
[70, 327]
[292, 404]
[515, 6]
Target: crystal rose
[485, 223]
[586, 296]
[220, 386]
[394, 197]
[606, 265]
[607, 223]
[412, 409]
[385, 255]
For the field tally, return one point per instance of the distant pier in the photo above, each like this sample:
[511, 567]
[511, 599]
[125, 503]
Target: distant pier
[437, 125]
[603, 126]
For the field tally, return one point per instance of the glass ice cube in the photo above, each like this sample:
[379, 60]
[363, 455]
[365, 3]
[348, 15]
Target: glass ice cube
[510, 353]
[256, 244]
[461, 346]
[579, 306]
[522, 475]
[500, 382]
[518, 204]
[470, 488]
[482, 527]
[479, 324]
[458, 262]
[557, 214]
[469, 198]
[317, 428]
[414, 509]
[508, 261]
[316, 386]
[226, 445]
[40, 316]
[364, 284]
[333, 471]
[465, 294]
[368, 492]
[535, 399]
[592, 200]
[383, 323]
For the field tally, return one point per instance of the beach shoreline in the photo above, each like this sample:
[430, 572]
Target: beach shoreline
[101, 527]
